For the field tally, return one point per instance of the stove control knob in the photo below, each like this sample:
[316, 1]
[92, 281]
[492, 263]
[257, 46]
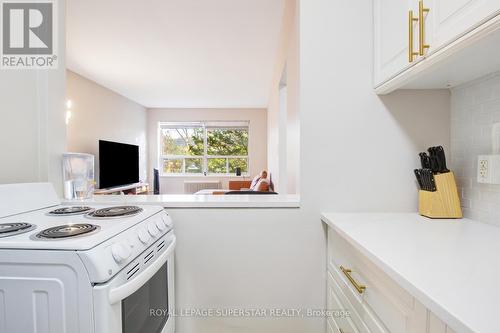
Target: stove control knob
[161, 225]
[120, 252]
[153, 229]
[167, 220]
[143, 236]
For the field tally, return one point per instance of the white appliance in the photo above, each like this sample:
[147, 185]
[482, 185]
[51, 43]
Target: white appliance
[83, 268]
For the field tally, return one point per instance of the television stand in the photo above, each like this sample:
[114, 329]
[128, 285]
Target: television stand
[131, 189]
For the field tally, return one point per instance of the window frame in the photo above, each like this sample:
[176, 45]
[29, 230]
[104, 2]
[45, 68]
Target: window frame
[206, 125]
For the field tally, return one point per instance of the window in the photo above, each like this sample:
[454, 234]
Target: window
[201, 148]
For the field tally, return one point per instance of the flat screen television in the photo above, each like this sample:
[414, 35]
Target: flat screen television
[118, 164]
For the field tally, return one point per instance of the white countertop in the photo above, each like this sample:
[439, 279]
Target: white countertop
[451, 266]
[200, 201]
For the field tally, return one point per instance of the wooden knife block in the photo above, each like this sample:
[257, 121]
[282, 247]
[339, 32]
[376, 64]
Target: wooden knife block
[444, 203]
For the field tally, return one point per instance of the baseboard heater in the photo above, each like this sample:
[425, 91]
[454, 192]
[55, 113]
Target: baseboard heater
[191, 186]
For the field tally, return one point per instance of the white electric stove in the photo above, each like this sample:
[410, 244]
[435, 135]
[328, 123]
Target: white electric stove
[83, 268]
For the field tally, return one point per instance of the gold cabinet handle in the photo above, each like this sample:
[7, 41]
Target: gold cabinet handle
[411, 19]
[347, 272]
[421, 37]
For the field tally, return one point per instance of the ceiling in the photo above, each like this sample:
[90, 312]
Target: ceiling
[177, 53]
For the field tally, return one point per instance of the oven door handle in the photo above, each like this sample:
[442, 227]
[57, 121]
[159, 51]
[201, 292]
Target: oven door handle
[120, 293]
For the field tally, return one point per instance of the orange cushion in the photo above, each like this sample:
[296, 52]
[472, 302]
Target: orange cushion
[236, 185]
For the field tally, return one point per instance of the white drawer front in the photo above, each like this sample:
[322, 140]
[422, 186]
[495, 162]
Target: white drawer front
[382, 299]
[342, 314]
[331, 327]
[365, 323]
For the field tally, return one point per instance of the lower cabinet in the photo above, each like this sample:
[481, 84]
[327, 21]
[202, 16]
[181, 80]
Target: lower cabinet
[361, 298]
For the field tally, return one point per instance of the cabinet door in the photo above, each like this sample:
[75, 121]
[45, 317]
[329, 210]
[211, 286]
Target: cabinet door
[391, 38]
[450, 19]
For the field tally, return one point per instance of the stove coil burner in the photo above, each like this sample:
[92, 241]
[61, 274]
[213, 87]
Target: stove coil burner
[111, 212]
[74, 210]
[66, 231]
[10, 229]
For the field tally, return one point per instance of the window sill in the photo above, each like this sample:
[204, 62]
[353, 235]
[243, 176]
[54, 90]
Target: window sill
[207, 176]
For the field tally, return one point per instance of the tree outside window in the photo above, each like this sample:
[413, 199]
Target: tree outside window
[203, 148]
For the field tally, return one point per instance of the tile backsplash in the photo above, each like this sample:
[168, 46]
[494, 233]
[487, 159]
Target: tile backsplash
[475, 106]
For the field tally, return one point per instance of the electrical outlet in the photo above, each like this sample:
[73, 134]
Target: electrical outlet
[483, 169]
[488, 169]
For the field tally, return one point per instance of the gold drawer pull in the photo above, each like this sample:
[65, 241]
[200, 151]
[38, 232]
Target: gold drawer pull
[347, 272]
[411, 53]
[421, 38]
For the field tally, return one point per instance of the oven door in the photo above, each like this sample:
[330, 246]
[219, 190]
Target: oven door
[140, 298]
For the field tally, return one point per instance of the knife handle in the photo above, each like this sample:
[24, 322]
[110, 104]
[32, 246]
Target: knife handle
[424, 160]
[442, 159]
[423, 178]
[435, 166]
[428, 183]
[419, 178]
[432, 182]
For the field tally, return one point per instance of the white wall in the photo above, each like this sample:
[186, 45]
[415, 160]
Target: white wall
[256, 144]
[101, 114]
[283, 120]
[293, 99]
[475, 106]
[358, 150]
[32, 130]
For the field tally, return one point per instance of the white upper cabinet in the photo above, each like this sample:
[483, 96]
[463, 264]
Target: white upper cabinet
[435, 25]
[450, 19]
[391, 36]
